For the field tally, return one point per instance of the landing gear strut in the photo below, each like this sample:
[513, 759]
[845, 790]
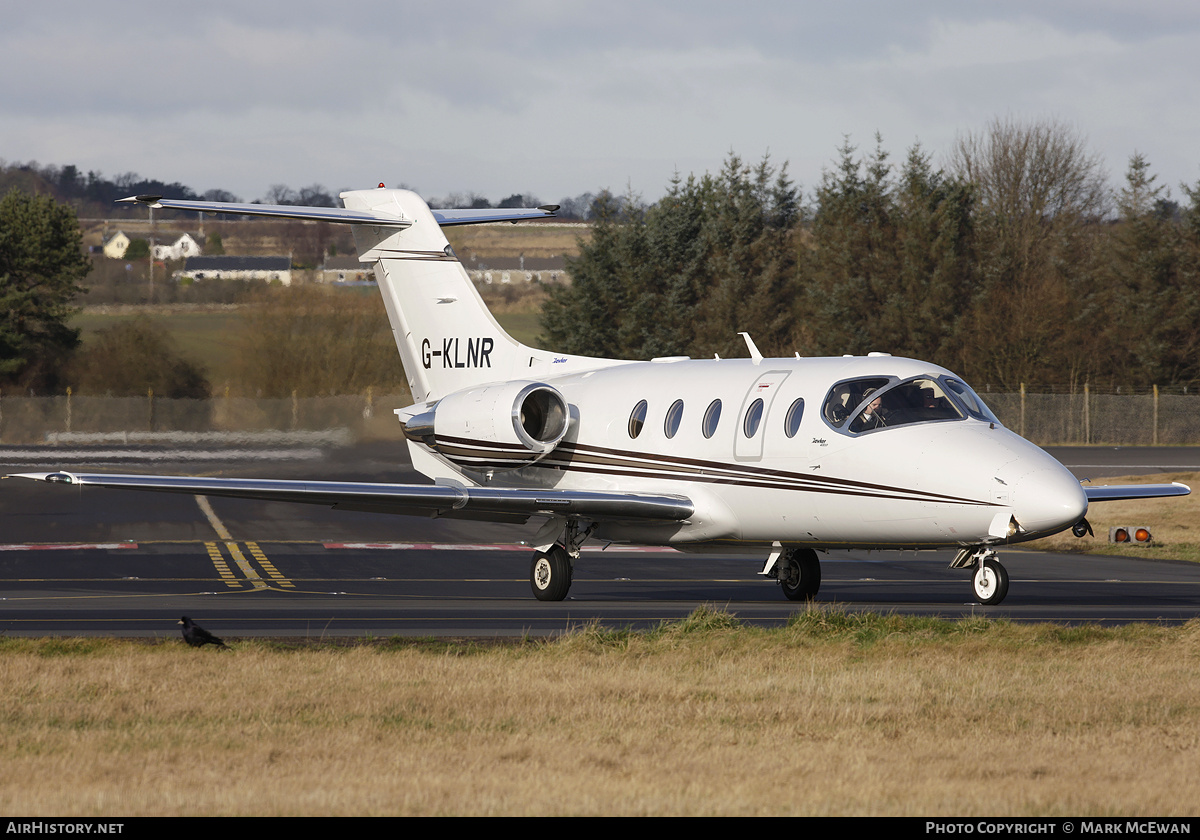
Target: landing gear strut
[799, 573]
[989, 578]
[551, 570]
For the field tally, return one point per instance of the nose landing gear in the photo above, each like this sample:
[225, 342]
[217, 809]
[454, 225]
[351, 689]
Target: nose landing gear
[989, 580]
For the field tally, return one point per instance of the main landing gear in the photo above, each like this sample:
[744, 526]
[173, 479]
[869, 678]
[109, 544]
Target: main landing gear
[550, 571]
[989, 578]
[799, 573]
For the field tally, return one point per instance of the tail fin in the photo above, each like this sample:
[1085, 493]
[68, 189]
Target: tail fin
[448, 340]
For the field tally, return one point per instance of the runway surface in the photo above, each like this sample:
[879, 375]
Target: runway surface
[113, 563]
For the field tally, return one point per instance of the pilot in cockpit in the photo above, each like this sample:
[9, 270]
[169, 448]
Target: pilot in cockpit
[873, 416]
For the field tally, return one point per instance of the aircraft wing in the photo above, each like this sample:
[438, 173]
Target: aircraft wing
[429, 500]
[1120, 492]
[342, 215]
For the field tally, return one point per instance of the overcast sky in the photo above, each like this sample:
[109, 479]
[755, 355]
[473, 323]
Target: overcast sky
[558, 98]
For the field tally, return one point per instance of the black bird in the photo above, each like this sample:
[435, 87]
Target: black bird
[197, 636]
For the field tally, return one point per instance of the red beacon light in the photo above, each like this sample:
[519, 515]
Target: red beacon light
[381, 186]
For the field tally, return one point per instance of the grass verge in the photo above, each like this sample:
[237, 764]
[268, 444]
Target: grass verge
[837, 713]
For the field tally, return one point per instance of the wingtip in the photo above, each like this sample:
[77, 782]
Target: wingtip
[148, 200]
[53, 477]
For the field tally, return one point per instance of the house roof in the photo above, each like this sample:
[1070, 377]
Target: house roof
[344, 264]
[557, 263]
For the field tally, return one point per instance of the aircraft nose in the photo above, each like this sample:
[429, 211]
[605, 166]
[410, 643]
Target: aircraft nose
[1048, 498]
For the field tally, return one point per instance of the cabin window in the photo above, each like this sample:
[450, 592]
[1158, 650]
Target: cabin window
[637, 419]
[753, 418]
[791, 421]
[674, 418]
[712, 416]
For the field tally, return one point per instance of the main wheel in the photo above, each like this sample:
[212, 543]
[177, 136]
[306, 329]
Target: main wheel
[550, 574]
[990, 582]
[800, 574]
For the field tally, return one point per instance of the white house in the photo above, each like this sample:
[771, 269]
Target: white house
[526, 269]
[116, 245]
[269, 269]
[345, 270]
[183, 247]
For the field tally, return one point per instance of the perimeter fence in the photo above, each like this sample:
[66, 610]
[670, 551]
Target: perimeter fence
[1152, 419]
[1047, 419]
[126, 420]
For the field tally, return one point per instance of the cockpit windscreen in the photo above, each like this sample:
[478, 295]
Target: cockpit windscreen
[863, 405]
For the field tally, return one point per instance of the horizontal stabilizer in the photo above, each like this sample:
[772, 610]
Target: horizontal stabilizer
[446, 218]
[342, 215]
[432, 500]
[1120, 492]
[338, 215]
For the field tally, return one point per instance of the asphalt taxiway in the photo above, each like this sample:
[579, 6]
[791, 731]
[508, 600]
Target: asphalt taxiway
[115, 563]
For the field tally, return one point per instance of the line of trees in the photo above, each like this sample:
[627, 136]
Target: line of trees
[92, 193]
[1014, 263]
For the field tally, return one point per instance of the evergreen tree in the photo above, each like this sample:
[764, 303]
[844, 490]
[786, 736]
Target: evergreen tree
[850, 265]
[41, 267]
[583, 317]
[714, 257]
[1155, 310]
[935, 273]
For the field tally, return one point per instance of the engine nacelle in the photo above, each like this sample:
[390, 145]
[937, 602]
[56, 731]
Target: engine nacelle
[494, 427]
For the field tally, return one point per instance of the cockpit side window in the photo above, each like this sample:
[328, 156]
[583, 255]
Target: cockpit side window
[845, 397]
[969, 400]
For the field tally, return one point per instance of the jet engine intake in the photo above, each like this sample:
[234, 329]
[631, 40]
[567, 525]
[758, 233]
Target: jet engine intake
[494, 427]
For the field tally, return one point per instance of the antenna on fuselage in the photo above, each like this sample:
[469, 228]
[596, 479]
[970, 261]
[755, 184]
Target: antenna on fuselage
[754, 354]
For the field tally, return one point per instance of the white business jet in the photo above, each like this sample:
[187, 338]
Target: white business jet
[775, 457]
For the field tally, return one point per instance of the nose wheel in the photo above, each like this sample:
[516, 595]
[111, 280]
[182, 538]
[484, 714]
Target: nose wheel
[990, 582]
[989, 578]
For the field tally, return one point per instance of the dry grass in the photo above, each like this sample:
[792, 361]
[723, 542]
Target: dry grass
[838, 714]
[1174, 522]
[504, 240]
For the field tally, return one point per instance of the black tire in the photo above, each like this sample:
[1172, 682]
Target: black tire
[800, 574]
[550, 574]
[990, 582]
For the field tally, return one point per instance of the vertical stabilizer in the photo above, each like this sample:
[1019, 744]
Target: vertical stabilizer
[448, 340]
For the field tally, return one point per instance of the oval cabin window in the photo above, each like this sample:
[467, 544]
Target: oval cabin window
[637, 419]
[712, 416]
[791, 422]
[674, 418]
[753, 418]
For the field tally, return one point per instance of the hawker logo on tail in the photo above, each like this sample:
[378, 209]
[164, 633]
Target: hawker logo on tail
[479, 353]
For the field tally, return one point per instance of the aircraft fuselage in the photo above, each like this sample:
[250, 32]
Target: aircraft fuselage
[773, 466]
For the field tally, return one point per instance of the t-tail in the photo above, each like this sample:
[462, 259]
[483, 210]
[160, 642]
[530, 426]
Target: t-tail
[447, 338]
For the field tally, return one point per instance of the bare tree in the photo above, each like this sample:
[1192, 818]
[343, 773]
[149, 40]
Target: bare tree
[1039, 194]
[280, 194]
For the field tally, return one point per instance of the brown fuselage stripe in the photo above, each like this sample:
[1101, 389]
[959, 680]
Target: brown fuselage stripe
[571, 457]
